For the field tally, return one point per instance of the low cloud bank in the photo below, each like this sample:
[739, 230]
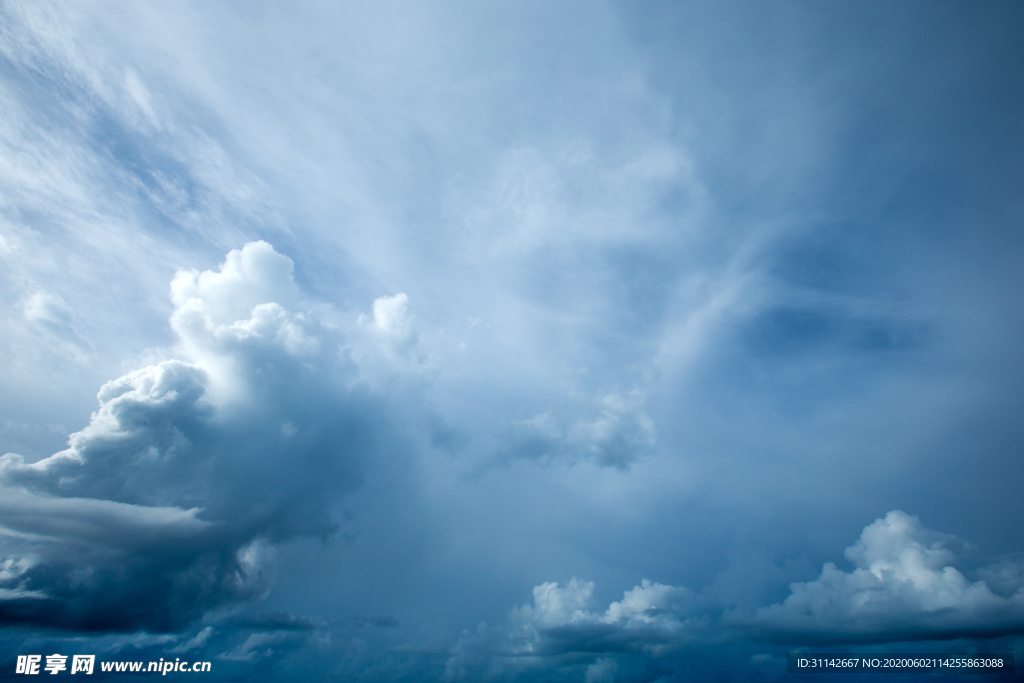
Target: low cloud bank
[904, 587]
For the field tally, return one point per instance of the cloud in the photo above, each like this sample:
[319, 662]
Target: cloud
[58, 323]
[554, 605]
[1005, 578]
[904, 587]
[154, 412]
[95, 522]
[279, 629]
[391, 317]
[197, 641]
[601, 671]
[248, 277]
[616, 433]
[140, 96]
[652, 619]
[256, 645]
[387, 344]
[171, 501]
[10, 571]
[630, 202]
[277, 621]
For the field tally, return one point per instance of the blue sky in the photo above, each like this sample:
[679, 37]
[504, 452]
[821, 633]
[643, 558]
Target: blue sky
[512, 341]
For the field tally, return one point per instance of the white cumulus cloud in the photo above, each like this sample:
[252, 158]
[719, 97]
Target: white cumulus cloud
[904, 587]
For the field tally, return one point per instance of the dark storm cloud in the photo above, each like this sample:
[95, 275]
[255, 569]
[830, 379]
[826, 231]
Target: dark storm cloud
[169, 502]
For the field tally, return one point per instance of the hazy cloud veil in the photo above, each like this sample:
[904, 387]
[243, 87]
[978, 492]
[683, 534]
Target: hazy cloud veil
[581, 341]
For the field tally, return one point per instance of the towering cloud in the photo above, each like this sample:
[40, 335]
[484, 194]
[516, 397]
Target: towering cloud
[170, 501]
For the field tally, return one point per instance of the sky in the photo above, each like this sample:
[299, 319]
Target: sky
[510, 341]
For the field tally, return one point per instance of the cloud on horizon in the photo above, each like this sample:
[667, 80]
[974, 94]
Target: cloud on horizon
[904, 588]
